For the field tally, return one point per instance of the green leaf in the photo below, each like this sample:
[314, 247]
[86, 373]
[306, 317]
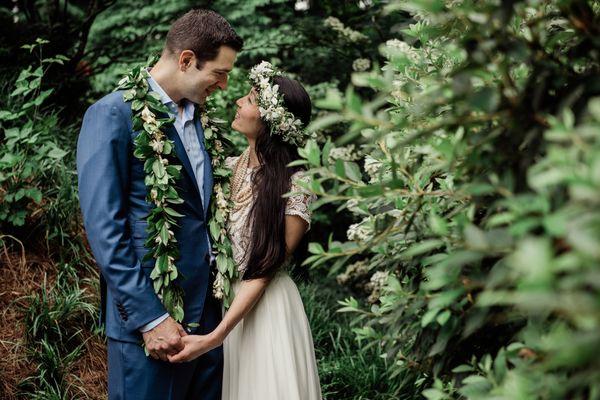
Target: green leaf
[315, 248]
[35, 194]
[443, 317]
[172, 212]
[164, 234]
[158, 168]
[332, 101]
[57, 153]
[438, 225]
[428, 317]
[422, 247]
[352, 171]
[313, 153]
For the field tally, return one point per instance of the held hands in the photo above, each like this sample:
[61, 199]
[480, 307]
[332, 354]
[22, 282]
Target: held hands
[165, 339]
[195, 346]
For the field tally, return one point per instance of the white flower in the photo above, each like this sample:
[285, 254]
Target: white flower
[148, 116]
[301, 5]
[354, 272]
[264, 68]
[361, 64]
[376, 284]
[372, 167]
[218, 286]
[395, 46]
[263, 83]
[360, 232]
[345, 153]
[284, 126]
[157, 146]
[364, 4]
[379, 279]
[220, 197]
[204, 119]
[270, 105]
[347, 33]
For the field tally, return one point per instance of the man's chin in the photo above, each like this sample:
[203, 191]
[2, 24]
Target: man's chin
[200, 101]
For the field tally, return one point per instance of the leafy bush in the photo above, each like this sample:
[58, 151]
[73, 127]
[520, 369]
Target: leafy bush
[36, 175]
[471, 170]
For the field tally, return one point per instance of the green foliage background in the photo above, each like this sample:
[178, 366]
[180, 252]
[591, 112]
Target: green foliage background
[458, 155]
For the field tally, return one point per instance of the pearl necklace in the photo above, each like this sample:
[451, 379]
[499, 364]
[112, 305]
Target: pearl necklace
[241, 195]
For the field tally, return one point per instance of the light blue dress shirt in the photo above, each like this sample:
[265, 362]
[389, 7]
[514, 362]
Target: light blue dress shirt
[184, 125]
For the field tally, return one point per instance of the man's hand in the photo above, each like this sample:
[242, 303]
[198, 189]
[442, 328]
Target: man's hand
[164, 339]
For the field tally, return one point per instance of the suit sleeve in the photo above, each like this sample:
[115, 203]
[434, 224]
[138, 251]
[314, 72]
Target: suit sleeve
[103, 157]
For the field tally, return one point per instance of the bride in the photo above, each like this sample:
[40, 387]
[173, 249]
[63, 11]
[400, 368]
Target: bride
[268, 347]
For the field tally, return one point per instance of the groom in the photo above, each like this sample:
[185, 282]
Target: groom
[199, 52]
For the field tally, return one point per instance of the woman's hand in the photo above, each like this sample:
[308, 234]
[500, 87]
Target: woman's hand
[195, 346]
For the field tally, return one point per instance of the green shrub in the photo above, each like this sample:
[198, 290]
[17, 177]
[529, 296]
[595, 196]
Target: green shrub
[37, 184]
[471, 172]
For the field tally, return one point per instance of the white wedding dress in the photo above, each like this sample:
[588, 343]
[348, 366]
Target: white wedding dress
[270, 354]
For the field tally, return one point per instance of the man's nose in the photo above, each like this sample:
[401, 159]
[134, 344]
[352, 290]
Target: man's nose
[222, 84]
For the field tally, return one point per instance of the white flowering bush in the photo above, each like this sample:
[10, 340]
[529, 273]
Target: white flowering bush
[469, 164]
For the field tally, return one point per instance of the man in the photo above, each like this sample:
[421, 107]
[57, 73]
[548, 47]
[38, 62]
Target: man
[200, 51]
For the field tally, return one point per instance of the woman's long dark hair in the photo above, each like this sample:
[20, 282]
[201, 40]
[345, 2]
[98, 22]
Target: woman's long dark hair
[270, 182]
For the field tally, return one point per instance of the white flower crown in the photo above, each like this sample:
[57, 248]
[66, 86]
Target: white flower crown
[271, 106]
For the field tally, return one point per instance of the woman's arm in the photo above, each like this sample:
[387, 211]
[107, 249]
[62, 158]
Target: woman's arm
[247, 296]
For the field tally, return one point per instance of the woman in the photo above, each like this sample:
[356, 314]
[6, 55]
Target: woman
[268, 347]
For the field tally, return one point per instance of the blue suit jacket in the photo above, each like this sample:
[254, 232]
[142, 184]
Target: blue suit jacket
[112, 196]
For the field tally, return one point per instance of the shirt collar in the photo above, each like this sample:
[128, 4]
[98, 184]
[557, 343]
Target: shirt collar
[188, 108]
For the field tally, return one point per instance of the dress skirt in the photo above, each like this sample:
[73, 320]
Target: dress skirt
[270, 354]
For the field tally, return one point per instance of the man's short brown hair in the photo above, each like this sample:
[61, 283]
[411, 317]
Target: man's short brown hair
[203, 32]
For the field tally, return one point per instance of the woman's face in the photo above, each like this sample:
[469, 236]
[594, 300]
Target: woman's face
[247, 118]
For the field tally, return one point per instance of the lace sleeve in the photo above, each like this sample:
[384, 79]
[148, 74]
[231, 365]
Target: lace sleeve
[299, 202]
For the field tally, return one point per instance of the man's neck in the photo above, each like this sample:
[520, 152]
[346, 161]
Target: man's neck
[162, 72]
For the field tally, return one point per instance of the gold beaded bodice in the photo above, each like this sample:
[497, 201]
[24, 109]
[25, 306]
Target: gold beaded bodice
[240, 222]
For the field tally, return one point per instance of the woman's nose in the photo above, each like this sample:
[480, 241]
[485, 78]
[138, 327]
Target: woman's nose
[238, 102]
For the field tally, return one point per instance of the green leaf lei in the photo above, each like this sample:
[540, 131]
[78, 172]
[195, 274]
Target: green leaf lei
[219, 149]
[162, 169]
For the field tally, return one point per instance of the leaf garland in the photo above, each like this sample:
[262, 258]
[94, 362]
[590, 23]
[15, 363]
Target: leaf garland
[219, 149]
[161, 167]
[162, 170]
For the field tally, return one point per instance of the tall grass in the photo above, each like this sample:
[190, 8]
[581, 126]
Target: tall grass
[346, 371]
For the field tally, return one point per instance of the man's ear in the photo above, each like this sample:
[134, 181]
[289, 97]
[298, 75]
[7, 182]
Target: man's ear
[187, 59]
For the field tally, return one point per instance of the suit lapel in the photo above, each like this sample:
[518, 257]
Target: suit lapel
[172, 134]
[208, 176]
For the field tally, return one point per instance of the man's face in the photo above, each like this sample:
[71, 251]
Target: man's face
[198, 84]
